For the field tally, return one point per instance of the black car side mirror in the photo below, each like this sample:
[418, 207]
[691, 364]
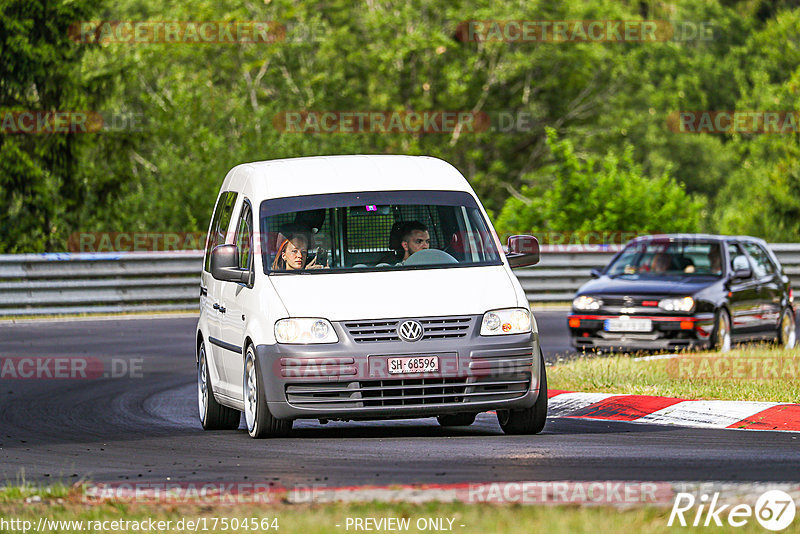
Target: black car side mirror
[742, 274]
[595, 273]
[225, 265]
[523, 250]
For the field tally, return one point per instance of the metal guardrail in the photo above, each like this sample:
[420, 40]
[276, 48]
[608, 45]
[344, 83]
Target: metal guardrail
[45, 284]
[48, 284]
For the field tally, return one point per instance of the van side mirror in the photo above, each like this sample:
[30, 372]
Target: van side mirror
[595, 273]
[225, 265]
[523, 250]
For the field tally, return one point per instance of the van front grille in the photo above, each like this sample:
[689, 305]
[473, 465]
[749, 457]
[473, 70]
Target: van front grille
[407, 392]
[371, 331]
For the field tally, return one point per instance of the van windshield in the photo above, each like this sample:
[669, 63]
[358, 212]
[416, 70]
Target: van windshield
[384, 230]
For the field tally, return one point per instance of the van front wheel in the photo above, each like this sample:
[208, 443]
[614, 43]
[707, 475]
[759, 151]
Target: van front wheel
[529, 420]
[260, 423]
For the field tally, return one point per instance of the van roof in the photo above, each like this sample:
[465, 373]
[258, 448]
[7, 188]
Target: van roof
[341, 174]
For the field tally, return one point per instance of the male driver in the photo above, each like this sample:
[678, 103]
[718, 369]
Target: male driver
[415, 237]
[661, 262]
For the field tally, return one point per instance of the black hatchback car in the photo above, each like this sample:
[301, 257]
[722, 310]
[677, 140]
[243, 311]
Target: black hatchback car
[680, 291]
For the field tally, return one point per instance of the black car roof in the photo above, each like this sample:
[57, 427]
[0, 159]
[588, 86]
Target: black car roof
[697, 237]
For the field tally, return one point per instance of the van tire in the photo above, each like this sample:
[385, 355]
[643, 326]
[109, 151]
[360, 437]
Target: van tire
[457, 419]
[529, 420]
[213, 415]
[260, 422]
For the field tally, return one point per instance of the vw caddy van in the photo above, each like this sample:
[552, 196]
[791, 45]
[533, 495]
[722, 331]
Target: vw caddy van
[361, 288]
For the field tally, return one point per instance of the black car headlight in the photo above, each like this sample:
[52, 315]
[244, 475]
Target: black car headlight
[683, 304]
[585, 302]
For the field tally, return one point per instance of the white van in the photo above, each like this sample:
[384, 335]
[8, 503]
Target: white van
[362, 287]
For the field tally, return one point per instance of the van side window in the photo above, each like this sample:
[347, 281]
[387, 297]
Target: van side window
[244, 236]
[762, 264]
[219, 225]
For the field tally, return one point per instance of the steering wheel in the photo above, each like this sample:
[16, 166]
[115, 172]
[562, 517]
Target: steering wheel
[430, 256]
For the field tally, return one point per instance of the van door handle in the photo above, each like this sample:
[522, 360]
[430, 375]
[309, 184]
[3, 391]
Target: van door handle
[216, 306]
[222, 309]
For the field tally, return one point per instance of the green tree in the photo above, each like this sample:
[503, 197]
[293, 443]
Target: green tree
[41, 190]
[590, 194]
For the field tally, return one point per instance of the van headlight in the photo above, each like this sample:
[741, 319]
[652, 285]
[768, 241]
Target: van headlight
[301, 331]
[685, 304]
[585, 302]
[509, 321]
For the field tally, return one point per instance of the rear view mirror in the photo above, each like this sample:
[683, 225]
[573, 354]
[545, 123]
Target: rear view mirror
[523, 250]
[225, 265]
[741, 268]
[595, 273]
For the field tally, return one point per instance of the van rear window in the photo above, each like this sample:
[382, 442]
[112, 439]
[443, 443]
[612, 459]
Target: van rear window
[374, 231]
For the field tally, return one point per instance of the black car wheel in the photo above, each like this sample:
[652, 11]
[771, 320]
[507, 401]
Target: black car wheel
[721, 336]
[787, 329]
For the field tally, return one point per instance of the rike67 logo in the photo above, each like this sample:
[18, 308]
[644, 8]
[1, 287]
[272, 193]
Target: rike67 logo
[774, 510]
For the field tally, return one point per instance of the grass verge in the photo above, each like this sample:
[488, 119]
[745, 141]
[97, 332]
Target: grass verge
[322, 518]
[753, 373]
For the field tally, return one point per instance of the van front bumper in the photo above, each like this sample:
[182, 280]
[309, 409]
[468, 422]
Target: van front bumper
[350, 380]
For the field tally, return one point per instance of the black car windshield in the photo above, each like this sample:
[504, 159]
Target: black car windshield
[652, 259]
[383, 230]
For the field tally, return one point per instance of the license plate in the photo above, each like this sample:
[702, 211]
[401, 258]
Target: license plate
[628, 325]
[413, 364]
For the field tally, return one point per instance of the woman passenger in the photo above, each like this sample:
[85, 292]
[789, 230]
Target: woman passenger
[293, 254]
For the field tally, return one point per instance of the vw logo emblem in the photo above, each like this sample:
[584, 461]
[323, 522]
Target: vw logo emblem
[410, 331]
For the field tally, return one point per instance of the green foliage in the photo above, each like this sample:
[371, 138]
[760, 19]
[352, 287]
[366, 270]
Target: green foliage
[41, 187]
[762, 196]
[600, 195]
[207, 107]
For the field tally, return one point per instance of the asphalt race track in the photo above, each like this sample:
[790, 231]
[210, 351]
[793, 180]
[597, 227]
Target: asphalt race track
[144, 427]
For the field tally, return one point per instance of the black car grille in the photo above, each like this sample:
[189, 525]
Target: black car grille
[386, 330]
[618, 302]
[408, 392]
